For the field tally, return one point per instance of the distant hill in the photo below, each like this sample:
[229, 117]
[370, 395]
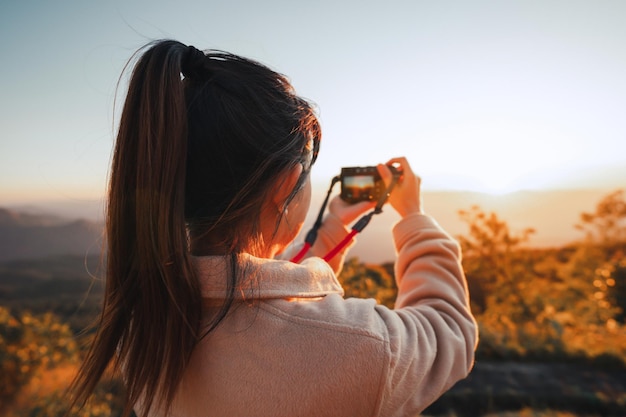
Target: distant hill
[29, 236]
[34, 233]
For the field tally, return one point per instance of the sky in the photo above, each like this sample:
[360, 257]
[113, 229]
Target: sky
[490, 96]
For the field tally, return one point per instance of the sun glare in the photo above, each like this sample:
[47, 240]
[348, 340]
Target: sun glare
[499, 185]
[500, 156]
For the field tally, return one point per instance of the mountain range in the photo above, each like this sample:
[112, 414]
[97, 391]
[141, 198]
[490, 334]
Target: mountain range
[40, 231]
[25, 235]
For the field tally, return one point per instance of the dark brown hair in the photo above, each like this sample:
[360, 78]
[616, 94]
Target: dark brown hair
[195, 157]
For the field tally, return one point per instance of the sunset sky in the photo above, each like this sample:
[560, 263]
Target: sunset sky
[490, 96]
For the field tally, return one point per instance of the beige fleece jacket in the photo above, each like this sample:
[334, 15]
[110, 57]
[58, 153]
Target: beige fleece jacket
[293, 346]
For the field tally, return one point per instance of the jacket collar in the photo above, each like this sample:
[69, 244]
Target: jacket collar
[266, 278]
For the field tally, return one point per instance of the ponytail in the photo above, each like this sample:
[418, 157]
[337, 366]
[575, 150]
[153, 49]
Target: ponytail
[152, 306]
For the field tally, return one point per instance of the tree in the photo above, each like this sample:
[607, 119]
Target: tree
[607, 224]
[368, 281]
[34, 348]
[28, 345]
[600, 262]
[509, 297]
[492, 261]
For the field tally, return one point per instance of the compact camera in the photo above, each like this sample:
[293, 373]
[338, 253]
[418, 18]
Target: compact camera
[363, 184]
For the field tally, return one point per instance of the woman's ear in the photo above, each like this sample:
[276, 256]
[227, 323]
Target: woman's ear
[284, 186]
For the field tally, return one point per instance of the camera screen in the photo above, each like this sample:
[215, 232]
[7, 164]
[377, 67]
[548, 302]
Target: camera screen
[359, 185]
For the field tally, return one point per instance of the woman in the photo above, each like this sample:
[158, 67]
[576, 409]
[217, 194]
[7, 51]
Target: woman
[209, 184]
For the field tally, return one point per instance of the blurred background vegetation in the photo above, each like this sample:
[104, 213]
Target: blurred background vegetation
[552, 322]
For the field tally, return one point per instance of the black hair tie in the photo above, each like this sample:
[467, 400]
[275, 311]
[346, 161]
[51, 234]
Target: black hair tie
[194, 63]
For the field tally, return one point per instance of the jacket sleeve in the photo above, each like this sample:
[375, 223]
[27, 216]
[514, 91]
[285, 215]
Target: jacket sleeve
[432, 333]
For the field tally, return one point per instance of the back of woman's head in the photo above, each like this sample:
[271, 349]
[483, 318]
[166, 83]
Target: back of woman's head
[246, 128]
[202, 140]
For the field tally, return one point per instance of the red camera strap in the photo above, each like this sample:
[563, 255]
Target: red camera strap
[357, 228]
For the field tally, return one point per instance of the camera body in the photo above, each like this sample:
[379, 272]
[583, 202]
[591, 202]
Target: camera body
[363, 184]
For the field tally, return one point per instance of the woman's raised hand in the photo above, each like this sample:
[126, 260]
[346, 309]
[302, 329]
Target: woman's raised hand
[406, 196]
[347, 212]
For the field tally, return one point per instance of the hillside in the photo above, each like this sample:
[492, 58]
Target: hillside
[44, 230]
[27, 236]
